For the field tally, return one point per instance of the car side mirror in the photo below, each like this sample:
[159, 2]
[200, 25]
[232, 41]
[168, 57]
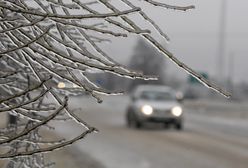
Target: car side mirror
[179, 97]
[180, 100]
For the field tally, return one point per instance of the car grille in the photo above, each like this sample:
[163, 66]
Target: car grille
[162, 113]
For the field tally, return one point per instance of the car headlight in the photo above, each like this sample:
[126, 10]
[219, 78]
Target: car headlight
[147, 109]
[177, 111]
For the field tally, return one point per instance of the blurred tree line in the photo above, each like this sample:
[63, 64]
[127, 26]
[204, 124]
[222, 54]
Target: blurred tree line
[145, 59]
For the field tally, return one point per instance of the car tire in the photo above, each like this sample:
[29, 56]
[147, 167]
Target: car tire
[132, 122]
[179, 126]
[166, 125]
[137, 124]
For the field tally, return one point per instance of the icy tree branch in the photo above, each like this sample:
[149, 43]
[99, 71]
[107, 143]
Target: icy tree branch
[46, 41]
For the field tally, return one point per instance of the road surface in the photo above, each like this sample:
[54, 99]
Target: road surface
[205, 142]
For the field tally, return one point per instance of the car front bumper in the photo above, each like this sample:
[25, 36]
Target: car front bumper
[162, 116]
[163, 120]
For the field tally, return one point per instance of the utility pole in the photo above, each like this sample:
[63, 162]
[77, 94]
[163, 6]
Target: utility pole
[222, 41]
[231, 71]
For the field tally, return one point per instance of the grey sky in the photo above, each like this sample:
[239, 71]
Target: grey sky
[195, 35]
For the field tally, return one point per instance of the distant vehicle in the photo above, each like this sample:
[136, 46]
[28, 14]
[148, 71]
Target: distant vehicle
[153, 103]
[67, 88]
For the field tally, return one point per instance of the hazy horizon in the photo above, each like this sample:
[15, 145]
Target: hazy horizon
[195, 37]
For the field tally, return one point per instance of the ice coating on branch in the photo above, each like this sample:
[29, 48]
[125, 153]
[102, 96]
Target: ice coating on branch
[47, 38]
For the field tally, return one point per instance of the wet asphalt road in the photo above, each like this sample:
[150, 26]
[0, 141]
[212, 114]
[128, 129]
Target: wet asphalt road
[205, 142]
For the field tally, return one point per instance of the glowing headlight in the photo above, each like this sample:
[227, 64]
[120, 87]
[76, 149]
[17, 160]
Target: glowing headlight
[177, 111]
[61, 85]
[147, 110]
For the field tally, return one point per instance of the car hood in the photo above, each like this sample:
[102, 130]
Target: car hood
[163, 105]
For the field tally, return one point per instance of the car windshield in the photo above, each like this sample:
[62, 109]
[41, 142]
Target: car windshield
[157, 95]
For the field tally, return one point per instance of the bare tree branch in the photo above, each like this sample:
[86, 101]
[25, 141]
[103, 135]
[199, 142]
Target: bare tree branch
[61, 39]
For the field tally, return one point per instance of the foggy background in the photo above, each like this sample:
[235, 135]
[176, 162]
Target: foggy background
[195, 38]
[212, 40]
